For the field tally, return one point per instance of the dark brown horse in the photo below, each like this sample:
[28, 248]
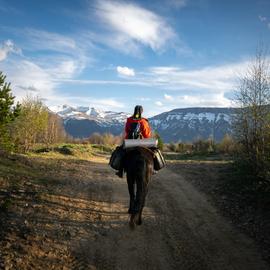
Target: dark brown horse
[139, 167]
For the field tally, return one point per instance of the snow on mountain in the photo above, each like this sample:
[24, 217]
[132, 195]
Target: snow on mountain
[103, 117]
[82, 121]
[190, 124]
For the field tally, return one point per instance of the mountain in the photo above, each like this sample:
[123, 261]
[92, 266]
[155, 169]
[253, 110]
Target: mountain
[189, 124]
[81, 122]
[184, 125]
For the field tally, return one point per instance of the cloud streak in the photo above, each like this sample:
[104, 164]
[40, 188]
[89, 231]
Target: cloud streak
[131, 25]
[6, 48]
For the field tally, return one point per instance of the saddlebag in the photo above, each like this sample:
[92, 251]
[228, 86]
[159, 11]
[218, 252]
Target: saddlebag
[159, 161]
[117, 158]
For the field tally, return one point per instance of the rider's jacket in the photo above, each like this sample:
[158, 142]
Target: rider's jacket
[144, 127]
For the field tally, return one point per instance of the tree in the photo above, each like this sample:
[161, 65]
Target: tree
[227, 145]
[251, 122]
[8, 112]
[31, 124]
[54, 131]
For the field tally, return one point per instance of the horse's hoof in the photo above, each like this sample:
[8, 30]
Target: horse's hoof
[132, 223]
[139, 222]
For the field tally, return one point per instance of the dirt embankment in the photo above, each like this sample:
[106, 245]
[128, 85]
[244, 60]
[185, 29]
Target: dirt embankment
[75, 217]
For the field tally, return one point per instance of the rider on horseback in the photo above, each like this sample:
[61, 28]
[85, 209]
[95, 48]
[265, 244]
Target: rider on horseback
[136, 127]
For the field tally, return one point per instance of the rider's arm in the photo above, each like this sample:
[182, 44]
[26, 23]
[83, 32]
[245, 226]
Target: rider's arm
[145, 129]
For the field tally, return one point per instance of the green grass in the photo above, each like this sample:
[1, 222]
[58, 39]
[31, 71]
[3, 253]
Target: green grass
[18, 168]
[81, 151]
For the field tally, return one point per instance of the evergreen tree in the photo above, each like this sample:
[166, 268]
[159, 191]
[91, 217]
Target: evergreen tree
[8, 111]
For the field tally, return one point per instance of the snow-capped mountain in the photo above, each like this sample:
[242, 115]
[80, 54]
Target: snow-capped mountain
[81, 122]
[184, 125]
[189, 124]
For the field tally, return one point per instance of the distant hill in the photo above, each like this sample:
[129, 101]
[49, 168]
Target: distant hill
[184, 125]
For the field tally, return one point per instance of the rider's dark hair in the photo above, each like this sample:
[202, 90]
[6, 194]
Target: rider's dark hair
[138, 112]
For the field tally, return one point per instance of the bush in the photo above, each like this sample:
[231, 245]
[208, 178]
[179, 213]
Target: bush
[204, 146]
[227, 145]
[105, 139]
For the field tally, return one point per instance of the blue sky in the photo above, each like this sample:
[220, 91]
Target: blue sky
[115, 54]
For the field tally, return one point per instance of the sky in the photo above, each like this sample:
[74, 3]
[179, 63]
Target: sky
[113, 55]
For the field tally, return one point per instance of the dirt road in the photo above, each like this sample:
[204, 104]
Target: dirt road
[82, 223]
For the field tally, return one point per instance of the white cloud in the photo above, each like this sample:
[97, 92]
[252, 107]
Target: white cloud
[62, 48]
[212, 78]
[159, 103]
[168, 97]
[201, 100]
[28, 78]
[192, 100]
[101, 103]
[6, 48]
[64, 68]
[131, 23]
[125, 71]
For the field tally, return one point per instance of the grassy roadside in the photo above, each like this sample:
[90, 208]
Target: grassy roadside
[23, 171]
[245, 204]
[34, 190]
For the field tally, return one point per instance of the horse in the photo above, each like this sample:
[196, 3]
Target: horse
[139, 166]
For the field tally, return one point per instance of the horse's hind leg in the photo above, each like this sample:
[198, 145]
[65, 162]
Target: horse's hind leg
[142, 203]
[131, 183]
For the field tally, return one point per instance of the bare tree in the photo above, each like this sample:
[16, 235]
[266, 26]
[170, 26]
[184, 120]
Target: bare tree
[251, 122]
[31, 123]
[54, 132]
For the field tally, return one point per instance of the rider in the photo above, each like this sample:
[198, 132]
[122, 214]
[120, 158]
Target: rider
[144, 128]
[145, 131]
